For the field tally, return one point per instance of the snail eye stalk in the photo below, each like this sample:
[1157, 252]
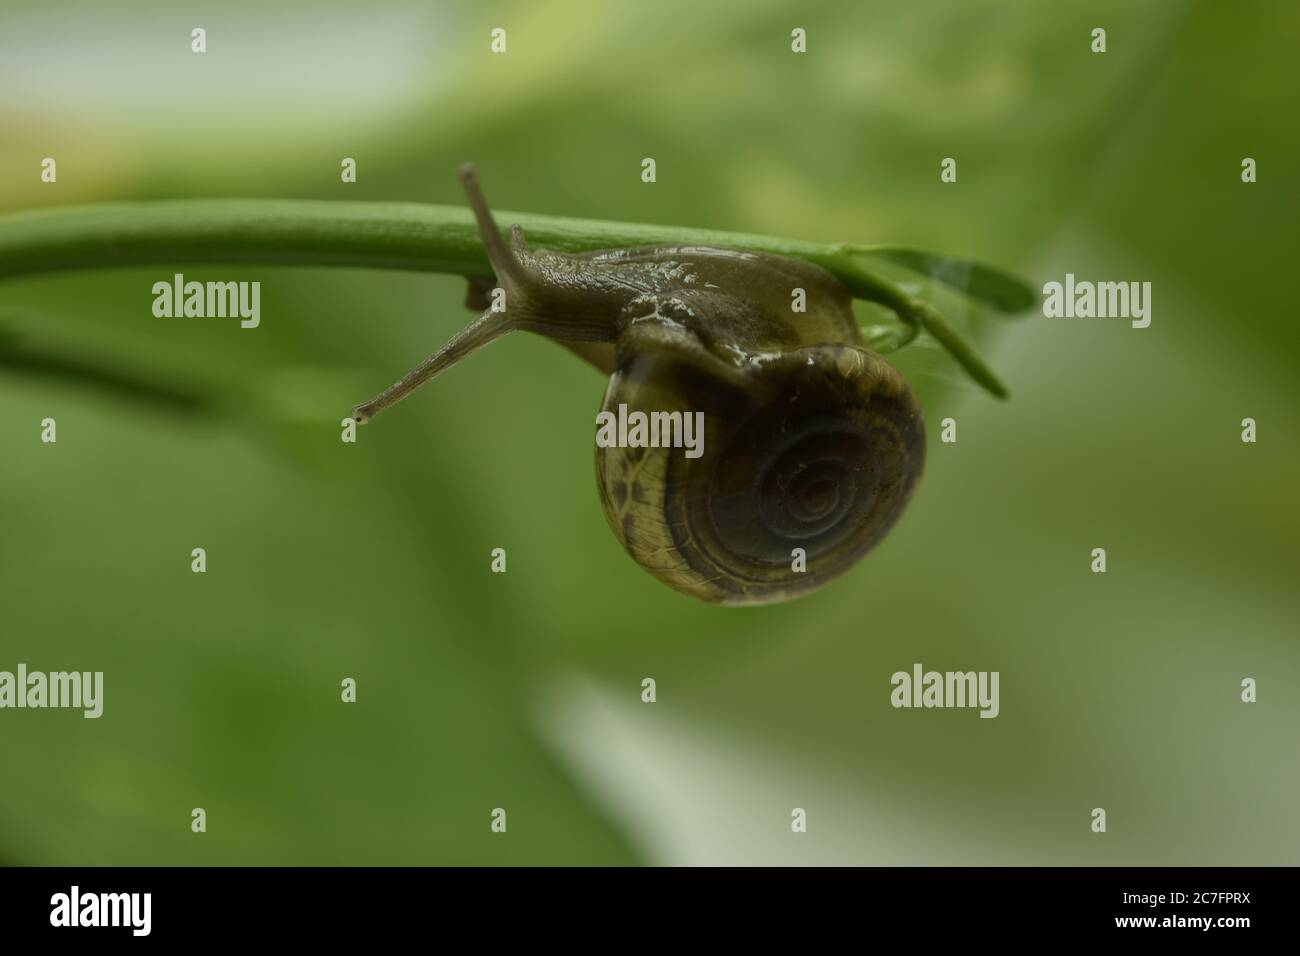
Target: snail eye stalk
[484, 330]
[487, 328]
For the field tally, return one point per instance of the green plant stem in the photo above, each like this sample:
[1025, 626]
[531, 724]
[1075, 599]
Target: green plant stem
[405, 236]
[305, 232]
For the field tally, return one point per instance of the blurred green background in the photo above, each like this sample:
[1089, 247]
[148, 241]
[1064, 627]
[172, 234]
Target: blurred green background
[521, 690]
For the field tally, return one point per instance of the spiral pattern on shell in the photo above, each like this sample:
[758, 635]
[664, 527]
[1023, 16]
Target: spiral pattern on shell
[820, 451]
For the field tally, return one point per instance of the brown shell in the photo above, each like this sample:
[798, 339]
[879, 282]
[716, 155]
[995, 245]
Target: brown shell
[807, 444]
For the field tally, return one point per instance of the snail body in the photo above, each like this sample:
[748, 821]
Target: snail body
[813, 442]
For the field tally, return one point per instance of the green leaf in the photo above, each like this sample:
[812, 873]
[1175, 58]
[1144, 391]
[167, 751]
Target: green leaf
[986, 284]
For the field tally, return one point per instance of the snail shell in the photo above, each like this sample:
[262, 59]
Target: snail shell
[816, 445]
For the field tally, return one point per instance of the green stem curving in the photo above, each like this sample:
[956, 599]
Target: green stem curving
[434, 238]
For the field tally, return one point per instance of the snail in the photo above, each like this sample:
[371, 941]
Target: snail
[814, 442]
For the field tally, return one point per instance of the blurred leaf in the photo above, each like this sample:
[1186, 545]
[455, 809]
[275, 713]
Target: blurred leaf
[987, 284]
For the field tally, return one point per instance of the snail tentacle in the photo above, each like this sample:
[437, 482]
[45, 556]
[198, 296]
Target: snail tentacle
[484, 330]
[504, 259]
